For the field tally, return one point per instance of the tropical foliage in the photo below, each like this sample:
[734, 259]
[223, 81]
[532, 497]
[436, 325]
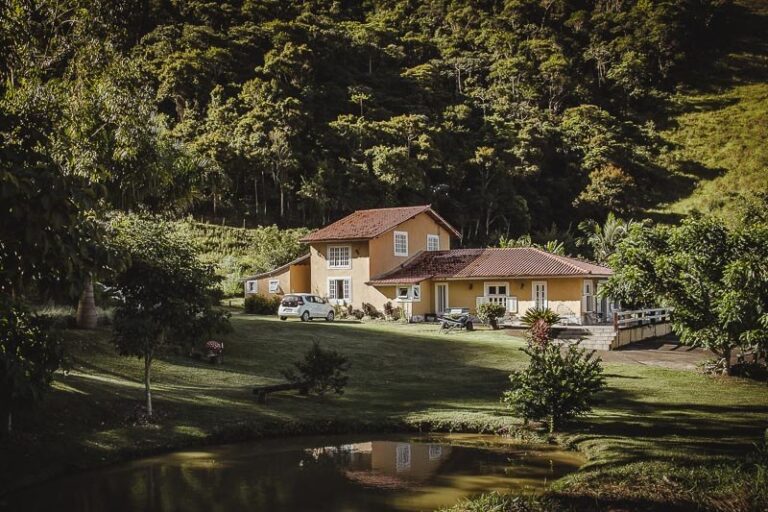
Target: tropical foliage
[508, 116]
[164, 295]
[29, 354]
[715, 278]
[558, 384]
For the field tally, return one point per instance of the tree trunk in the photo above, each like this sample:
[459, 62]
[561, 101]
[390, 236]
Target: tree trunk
[551, 423]
[86, 307]
[727, 357]
[147, 382]
[256, 193]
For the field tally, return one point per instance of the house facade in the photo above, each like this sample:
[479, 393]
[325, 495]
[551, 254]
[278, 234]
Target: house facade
[404, 256]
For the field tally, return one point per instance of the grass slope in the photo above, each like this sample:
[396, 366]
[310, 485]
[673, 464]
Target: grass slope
[720, 130]
[653, 422]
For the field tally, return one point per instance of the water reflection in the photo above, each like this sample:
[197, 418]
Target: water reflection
[306, 475]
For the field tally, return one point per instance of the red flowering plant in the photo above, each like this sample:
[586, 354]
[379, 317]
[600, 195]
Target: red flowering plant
[540, 333]
[214, 347]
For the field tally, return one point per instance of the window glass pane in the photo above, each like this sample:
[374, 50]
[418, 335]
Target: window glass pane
[401, 244]
[345, 288]
[502, 290]
[491, 290]
[416, 291]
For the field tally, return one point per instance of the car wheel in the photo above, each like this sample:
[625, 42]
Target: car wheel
[330, 317]
[283, 318]
[305, 316]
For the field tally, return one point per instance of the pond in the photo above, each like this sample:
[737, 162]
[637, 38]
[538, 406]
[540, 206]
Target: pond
[349, 474]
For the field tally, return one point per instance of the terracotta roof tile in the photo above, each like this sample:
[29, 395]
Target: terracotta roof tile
[488, 263]
[367, 224]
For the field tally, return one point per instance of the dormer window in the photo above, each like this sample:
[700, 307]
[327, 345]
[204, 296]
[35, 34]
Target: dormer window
[433, 243]
[401, 243]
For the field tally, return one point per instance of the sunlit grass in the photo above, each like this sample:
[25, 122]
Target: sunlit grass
[400, 375]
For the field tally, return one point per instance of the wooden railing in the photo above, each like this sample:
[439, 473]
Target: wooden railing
[509, 302]
[626, 319]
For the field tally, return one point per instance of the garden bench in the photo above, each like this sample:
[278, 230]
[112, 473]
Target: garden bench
[261, 392]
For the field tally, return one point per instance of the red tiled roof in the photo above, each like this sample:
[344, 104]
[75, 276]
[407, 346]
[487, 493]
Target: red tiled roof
[488, 263]
[367, 224]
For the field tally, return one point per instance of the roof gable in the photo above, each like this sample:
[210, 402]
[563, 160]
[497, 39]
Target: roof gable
[367, 224]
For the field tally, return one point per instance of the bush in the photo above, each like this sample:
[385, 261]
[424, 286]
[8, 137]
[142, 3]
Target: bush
[370, 310]
[489, 312]
[357, 313]
[323, 370]
[397, 313]
[260, 305]
[231, 284]
[388, 309]
[533, 314]
[557, 384]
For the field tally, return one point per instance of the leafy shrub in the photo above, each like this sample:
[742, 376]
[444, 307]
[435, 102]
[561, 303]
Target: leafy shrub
[357, 313]
[231, 270]
[260, 305]
[323, 370]
[397, 313]
[489, 312]
[546, 314]
[388, 309]
[557, 384]
[370, 310]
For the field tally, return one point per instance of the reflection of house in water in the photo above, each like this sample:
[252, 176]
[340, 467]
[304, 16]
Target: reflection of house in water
[387, 463]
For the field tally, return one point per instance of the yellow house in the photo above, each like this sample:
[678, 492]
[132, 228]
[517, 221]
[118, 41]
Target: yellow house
[403, 256]
[293, 277]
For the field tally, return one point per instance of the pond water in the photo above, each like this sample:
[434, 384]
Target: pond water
[340, 474]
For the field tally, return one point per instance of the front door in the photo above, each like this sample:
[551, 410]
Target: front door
[441, 298]
[539, 294]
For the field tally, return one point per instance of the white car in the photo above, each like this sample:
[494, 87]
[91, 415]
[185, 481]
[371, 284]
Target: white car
[305, 306]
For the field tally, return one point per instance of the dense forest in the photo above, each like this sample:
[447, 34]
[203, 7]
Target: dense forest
[508, 116]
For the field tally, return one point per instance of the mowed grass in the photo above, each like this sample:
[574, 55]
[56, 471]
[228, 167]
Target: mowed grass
[401, 376]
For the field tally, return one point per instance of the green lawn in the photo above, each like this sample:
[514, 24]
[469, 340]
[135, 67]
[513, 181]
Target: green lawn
[651, 419]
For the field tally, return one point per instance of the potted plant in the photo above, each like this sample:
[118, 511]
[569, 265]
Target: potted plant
[214, 351]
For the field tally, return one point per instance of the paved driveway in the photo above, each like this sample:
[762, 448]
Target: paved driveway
[666, 352]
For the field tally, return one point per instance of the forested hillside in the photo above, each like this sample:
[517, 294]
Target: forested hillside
[508, 116]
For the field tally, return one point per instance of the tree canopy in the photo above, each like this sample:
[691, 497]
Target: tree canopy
[505, 115]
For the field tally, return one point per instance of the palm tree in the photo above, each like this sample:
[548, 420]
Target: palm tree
[604, 239]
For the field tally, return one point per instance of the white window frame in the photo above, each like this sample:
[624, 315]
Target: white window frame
[274, 285]
[337, 300]
[412, 294]
[394, 240]
[533, 293]
[589, 300]
[436, 240]
[447, 301]
[254, 289]
[330, 249]
[488, 284]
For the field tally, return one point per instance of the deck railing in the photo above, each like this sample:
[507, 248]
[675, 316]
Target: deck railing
[627, 319]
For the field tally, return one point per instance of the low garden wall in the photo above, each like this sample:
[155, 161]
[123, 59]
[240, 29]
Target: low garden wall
[641, 332]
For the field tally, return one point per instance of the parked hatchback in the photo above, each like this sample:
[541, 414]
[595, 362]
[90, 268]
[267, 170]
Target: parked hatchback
[305, 306]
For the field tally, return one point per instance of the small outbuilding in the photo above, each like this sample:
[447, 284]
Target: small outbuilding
[293, 277]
